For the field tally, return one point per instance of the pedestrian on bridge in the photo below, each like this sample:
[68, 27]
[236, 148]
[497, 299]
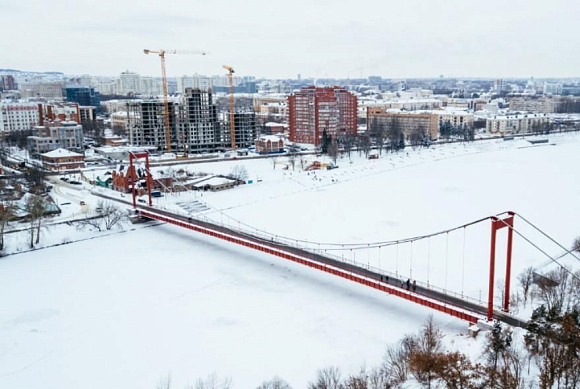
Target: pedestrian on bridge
[414, 285]
[408, 283]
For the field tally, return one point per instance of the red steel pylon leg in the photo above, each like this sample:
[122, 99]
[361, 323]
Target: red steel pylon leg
[491, 269]
[508, 271]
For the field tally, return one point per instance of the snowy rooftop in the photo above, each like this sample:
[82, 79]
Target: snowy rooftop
[214, 181]
[60, 153]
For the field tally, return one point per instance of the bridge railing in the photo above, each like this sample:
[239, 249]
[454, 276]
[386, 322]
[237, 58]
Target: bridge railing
[312, 248]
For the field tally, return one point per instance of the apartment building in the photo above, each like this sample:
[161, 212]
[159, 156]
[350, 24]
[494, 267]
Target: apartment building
[244, 128]
[18, 116]
[407, 121]
[47, 91]
[199, 127]
[64, 112]
[54, 135]
[313, 111]
[538, 104]
[7, 82]
[146, 123]
[516, 123]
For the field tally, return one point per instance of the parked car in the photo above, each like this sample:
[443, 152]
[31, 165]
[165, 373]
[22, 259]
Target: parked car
[83, 203]
[75, 182]
[142, 201]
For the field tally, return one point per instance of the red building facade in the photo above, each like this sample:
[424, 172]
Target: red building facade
[315, 110]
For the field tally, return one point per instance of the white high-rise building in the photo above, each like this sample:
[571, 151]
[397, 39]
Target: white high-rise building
[18, 116]
[552, 89]
[129, 82]
[184, 82]
[151, 86]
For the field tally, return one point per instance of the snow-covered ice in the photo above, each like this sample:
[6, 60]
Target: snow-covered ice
[126, 309]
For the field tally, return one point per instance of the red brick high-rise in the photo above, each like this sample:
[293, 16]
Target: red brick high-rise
[313, 110]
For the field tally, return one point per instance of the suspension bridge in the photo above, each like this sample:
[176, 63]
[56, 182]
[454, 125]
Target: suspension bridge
[323, 256]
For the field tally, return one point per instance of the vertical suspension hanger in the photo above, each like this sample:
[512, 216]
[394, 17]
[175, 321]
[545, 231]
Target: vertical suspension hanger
[411, 263]
[446, 257]
[428, 258]
[463, 262]
[397, 258]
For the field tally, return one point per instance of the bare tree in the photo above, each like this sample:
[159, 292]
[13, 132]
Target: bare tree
[364, 144]
[111, 213]
[292, 151]
[90, 222]
[164, 382]
[394, 368]
[7, 214]
[239, 173]
[213, 382]
[552, 290]
[275, 383]
[576, 244]
[525, 279]
[361, 380]
[35, 210]
[417, 136]
[328, 378]
[348, 141]
[378, 132]
[35, 178]
[333, 149]
[425, 352]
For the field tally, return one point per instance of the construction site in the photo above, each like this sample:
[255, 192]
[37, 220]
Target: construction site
[191, 123]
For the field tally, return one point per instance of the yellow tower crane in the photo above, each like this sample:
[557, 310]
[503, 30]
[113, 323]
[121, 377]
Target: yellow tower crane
[232, 105]
[162, 53]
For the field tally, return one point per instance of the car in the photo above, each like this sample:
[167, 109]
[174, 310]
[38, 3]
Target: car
[75, 182]
[64, 179]
[67, 203]
[83, 203]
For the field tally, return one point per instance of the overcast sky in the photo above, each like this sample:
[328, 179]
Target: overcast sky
[280, 39]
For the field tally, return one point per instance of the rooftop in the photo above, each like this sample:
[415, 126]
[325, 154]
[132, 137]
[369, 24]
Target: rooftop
[60, 153]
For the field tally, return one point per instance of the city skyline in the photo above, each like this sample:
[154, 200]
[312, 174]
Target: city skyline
[326, 39]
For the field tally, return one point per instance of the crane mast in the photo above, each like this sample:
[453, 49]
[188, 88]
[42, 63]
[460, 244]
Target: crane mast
[162, 53]
[232, 105]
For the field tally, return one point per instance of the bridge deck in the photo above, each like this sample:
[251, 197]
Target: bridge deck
[452, 305]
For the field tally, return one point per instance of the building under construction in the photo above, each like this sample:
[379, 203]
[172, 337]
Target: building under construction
[245, 129]
[199, 128]
[196, 124]
[146, 123]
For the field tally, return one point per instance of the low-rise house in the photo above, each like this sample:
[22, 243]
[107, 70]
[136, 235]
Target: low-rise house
[269, 144]
[215, 184]
[61, 160]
